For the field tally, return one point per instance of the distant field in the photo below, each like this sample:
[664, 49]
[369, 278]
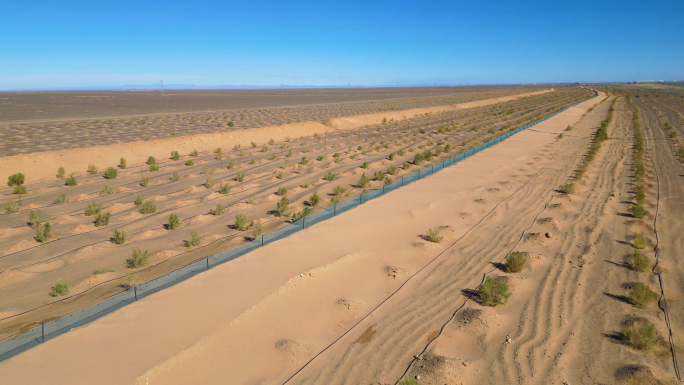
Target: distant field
[44, 121]
[36, 106]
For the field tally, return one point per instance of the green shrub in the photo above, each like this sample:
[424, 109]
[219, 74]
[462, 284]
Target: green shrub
[258, 231]
[639, 211]
[148, 207]
[560, 136]
[280, 175]
[254, 145]
[225, 188]
[71, 180]
[190, 162]
[209, 182]
[306, 211]
[515, 262]
[205, 170]
[640, 335]
[111, 173]
[194, 153]
[195, 240]
[92, 169]
[418, 159]
[15, 180]
[282, 207]
[320, 158]
[93, 208]
[173, 222]
[387, 181]
[304, 161]
[363, 181]
[639, 262]
[60, 173]
[365, 165]
[391, 156]
[239, 177]
[640, 242]
[174, 176]
[106, 190]
[122, 163]
[640, 295]
[139, 200]
[567, 188]
[339, 190]
[104, 270]
[12, 207]
[151, 160]
[175, 155]
[568, 128]
[138, 259]
[153, 168]
[433, 235]
[329, 176]
[218, 210]
[406, 165]
[241, 223]
[493, 292]
[119, 237]
[144, 181]
[61, 198]
[43, 234]
[314, 199]
[400, 152]
[428, 155]
[281, 191]
[61, 288]
[392, 170]
[102, 219]
[378, 175]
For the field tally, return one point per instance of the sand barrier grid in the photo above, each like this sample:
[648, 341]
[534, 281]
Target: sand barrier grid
[49, 330]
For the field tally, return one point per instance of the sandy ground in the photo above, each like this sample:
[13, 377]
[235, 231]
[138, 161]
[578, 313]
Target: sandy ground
[34, 165]
[265, 314]
[80, 251]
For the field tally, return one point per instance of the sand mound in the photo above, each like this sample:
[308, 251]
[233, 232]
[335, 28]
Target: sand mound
[21, 245]
[132, 216]
[150, 234]
[432, 369]
[548, 221]
[348, 305]
[199, 218]
[81, 197]
[118, 207]
[536, 238]
[637, 375]
[396, 272]
[81, 228]
[63, 219]
[292, 350]
[10, 277]
[7, 232]
[164, 254]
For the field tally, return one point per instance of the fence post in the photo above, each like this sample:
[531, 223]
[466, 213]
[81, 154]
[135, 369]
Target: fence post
[303, 220]
[334, 210]
[43, 338]
[135, 291]
[262, 241]
[207, 263]
[402, 181]
[383, 189]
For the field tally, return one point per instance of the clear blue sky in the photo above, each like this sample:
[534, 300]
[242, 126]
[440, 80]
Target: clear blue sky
[47, 44]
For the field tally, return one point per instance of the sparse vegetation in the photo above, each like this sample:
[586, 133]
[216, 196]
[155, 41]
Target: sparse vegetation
[209, 182]
[35, 218]
[190, 162]
[175, 155]
[11, 207]
[71, 181]
[144, 181]
[174, 176]
[639, 211]
[515, 262]
[641, 335]
[119, 237]
[493, 292]
[106, 190]
[122, 163]
[111, 173]
[138, 259]
[148, 207]
[93, 208]
[314, 199]
[258, 230]
[282, 207]
[139, 200]
[299, 215]
[173, 222]
[433, 235]
[640, 295]
[639, 241]
[151, 160]
[242, 224]
[281, 191]
[639, 262]
[60, 173]
[329, 176]
[363, 181]
[195, 240]
[43, 234]
[218, 210]
[102, 219]
[92, 169]
[60, 288]
[224, 188]
[239, 177]
[153, 168]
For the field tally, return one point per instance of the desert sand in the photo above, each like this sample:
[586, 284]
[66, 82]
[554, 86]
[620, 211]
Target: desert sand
[264, 315]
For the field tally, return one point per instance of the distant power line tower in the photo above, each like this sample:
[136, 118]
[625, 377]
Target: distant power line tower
[161, 86]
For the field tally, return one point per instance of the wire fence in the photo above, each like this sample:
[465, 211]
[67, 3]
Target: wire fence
[49, 330]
